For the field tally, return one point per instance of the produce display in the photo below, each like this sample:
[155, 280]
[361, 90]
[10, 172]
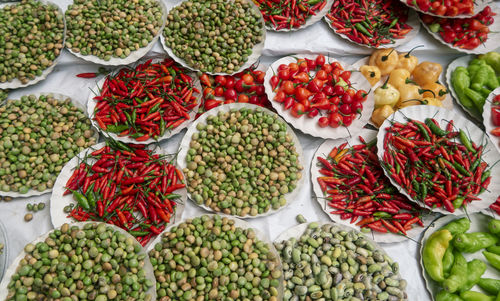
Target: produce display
[246, 86]
[27, 53]
[93, 261]
[439, 167]
[332, 263]
[461, 258]
[38, 135]
[112, 29]
[355, 187]
[468, 33]
[491, 116]
[128, 186]
[370, 23]
[441, 8]
[212, 258]
[315, 87]
[146, 102]
[214, 36]
[288, 15]
[472, 84]
[249, 166]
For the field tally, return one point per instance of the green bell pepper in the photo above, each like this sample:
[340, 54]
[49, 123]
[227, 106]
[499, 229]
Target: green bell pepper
[448, 260]
[480, 77]
[475, 269]
[494, 249]
[478, 100]
[494, 226]
[445, 296]
[476, 296]
[492, 59]
[473, 242]
[433, 253]
[458, 274]
[491, 286]
[460, 81]
[457, 226]
[493, 259]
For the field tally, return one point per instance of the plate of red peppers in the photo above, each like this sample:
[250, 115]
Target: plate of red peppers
[439, 159]
[374, 24]
[128, 185]
[491, 117]
[150, 102]
[449, 8]
[292, 15]
[475, 35]
[351, 188]
[319, 95]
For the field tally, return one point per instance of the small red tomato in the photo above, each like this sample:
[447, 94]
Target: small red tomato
[282, 67]
[260, 90]
[346, 75]
[323, 122]
[335, 120]
[345, 109]
[356, 107]
[333, 108]
[230, 94]
[219, 91]
[254, 100]
[327, 68]
[229, 82]
[303, 67]
[351, 92]
[243, 98]
[297, 110]
[302, 77]
[448, 36]
[328, 90]
[423, 5]
[247, 79]
[335, 100]
[321, 75]
[337, 65]
[347, 98]
[320, 60]
[240, 86]
[311, 64]
[280, 96]
[337, 72]
[338, 90]
[220, 80]
[348, 119]
[284, 74]
[360, 96]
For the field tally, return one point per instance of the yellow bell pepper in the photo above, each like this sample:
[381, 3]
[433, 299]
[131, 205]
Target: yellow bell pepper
[435, 90]
[427, 72]
[409, 96]
[380, 114]
[431, 101]
[385, 59]
[386, 95]
[371, 73]
[407, 61]
[398, 77]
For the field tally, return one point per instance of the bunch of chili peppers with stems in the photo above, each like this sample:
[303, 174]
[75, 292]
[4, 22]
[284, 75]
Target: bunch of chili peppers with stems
[127, 186]
[146, 101]
[440, 167]
[371, 23]
[356, 188]
[444, 7]
[314, 87]
[288, 14]
[467, 33]
[244, 87]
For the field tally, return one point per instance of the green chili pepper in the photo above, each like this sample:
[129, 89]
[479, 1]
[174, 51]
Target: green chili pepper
[415, 185]
[116, 128]
[477, 99]
[475, 296]
[139, 233]
[155, 108]
[82, 200]
[491, 286]
[362, 29]
[460, 80]
[493, 259]
[162, 127]
[458, 274]
[423, 131]
[475, 269]
[91, 196]
[494, 249]
[445, 296]
[466, 141]
[434, 128]
[461, 169]
[393, 23]
[134, 116]
[457, 226]
[473, 242]
[492, 59]
[448, 260]
[423, 188]
[433, 253]
[485, 175]
[173, 196]
[382, 214]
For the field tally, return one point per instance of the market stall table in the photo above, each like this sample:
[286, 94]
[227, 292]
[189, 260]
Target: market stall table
[314, 39]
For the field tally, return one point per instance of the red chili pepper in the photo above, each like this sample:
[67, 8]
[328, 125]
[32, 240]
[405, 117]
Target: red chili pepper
[87, 75]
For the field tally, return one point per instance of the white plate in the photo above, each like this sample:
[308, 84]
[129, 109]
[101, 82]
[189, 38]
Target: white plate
[184, 147]
[491, 43]
[133, 56]
[478, 222]
[478, 6]
[5, 254]
[447, 102]
[310, 125]
[310, 21]
[16, 83]
[490, 154]
[33, 192]
[488, 123]
[91, 104]
[464, 62]
[297, 231]
[323, 151]
[252, 59]
[148, 268]
[58, 200]
[412, 21]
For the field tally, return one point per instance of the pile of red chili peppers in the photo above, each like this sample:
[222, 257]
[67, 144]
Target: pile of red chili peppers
[244, 87]
[144, 102]
[438, 167]
[468, 33]
[356, 187]
[288, 14]
[128, 186]
[372, 23]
